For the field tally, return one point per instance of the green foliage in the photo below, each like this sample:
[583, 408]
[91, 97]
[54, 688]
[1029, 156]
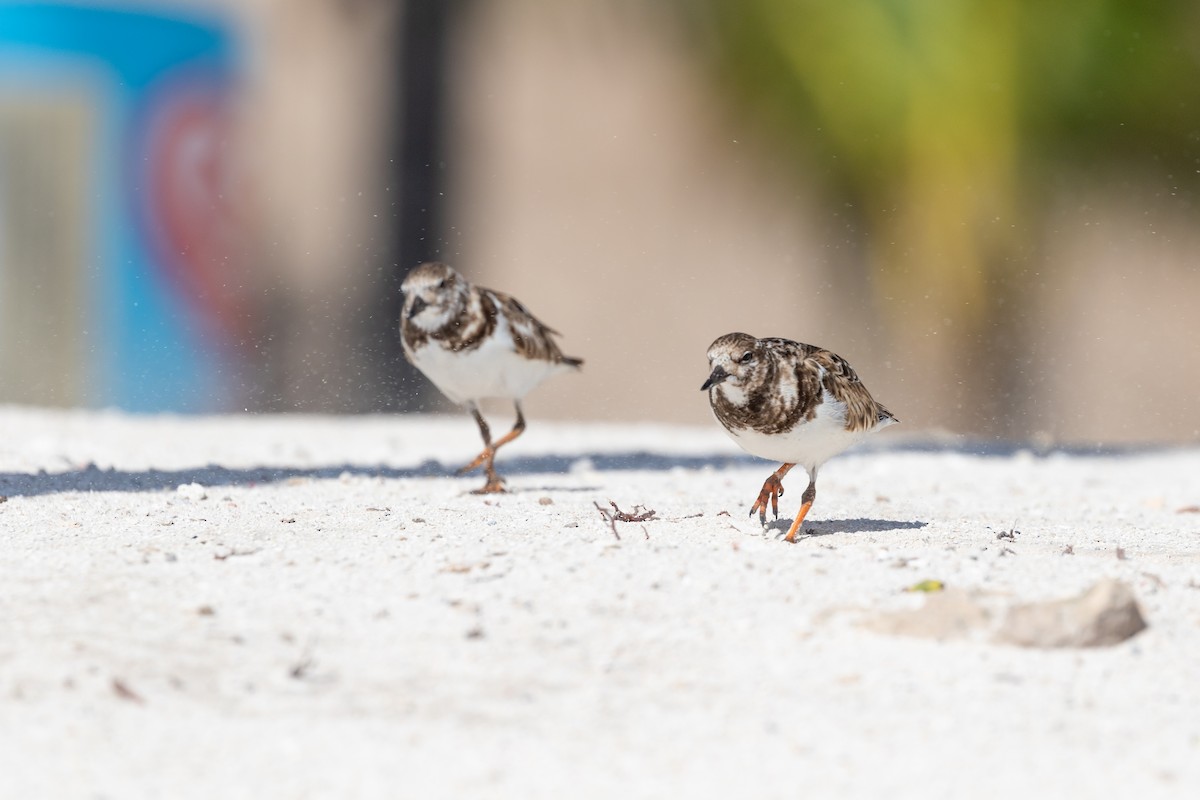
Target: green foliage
[875, 83]
[1114, 83]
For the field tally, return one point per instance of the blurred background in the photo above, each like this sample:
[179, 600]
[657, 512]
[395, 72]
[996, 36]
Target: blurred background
[988, 207]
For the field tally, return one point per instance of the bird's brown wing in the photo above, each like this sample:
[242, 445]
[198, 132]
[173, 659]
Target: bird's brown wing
[531, 337]
[863, 412]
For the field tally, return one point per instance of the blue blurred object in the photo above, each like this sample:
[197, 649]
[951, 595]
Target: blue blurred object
[119, 281]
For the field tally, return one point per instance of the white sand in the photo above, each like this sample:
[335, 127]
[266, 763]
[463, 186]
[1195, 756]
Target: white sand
[332, 616]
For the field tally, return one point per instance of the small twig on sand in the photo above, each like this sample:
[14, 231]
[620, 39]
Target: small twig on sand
[617, 515]
[223, 554]
[122, 690]
[607, 517]
[302, 669]
[636, 516]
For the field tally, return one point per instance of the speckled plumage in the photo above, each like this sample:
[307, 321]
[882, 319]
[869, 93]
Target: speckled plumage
[472, 314]
[790, 402]
[474, 343]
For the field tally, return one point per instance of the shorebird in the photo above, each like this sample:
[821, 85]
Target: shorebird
[476, 343]
[789, 402]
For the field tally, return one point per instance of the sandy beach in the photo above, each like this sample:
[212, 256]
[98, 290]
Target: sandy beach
[310, 607]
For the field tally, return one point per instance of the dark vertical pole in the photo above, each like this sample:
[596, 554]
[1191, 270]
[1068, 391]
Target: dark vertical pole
[415, 187]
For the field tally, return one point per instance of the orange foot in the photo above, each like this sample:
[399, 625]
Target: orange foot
[495, 485]
[772, 490]
[800, 515]
[486, 459]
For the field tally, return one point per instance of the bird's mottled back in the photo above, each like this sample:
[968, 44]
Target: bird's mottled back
[531, 337]
[444, 308]
[772, 385]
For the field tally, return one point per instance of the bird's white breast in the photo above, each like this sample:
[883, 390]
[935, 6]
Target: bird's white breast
[494, 369]
[809, 444]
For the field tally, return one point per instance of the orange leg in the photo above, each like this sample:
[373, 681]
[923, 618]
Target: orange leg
[487, 458]
[772, 490]
[810, 494]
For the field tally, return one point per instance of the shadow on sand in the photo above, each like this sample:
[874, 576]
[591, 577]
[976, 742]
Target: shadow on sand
[93, 479]
[826, 527]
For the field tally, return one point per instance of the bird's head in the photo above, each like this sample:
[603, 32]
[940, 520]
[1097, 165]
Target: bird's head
[736, 360]
[434, 294]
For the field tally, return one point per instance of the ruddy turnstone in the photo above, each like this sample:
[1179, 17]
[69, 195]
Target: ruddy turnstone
[475, 343]
[790, 402]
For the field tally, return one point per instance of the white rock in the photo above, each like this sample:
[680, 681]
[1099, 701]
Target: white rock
[191, 491]
[1104, 615]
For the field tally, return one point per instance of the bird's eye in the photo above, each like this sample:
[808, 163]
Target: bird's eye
[443, 283]
[746, 358]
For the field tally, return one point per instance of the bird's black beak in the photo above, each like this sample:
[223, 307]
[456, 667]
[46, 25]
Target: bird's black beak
[718, 374]
[418, 305]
